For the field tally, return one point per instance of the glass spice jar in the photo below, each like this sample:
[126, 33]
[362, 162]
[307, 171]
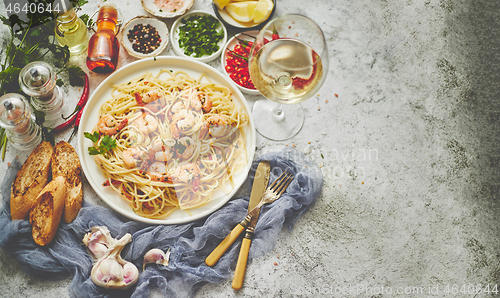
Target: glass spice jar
[103, 45]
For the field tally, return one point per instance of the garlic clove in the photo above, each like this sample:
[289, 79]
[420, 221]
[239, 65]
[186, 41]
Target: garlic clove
[99, 241]
[107, 272]
[97, 249]
[157, 256]
[130, 273]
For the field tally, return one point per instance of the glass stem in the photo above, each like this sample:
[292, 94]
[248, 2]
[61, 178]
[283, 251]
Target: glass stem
[278, 112]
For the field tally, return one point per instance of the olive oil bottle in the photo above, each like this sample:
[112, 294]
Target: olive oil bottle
[71, 31]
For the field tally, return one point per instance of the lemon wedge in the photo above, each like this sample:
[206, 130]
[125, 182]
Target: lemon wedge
[262, 11]
[221, 3]
[242, 11]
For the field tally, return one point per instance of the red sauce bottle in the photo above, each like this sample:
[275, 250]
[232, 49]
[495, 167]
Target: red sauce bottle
[103, 45]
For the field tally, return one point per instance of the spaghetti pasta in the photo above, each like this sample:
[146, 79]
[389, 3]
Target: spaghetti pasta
[178, 140]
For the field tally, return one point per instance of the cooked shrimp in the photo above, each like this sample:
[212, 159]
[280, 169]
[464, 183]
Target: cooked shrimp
[158, 172]
[132, 155]
[151, 100]
[148, 97]
[177, 107]
[200, 101]
[188, 173]
[108, 125]
[218, 126]
[146, 123]
[185, 147]
[162, 151]
[151, 96]
[181, 122]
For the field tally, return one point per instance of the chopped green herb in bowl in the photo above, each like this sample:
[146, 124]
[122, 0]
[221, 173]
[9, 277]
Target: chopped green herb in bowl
[198, 35]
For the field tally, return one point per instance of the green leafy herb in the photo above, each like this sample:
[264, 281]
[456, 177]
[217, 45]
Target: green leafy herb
[76, 75]
[85, 18]
[107, 143]
[199, 35]
[93, 137]
[79, 3]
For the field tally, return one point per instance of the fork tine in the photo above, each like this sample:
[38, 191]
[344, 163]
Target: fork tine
[287, 183]
[282, 180]
[273, 185]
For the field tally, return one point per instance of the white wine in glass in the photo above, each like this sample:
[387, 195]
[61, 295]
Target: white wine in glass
[288, 64]
[287, 71]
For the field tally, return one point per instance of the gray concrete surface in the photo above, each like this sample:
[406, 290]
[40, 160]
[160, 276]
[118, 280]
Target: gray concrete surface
[409, 151]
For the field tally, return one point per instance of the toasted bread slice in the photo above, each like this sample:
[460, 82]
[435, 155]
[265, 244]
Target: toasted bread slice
[47, 211]
[65, 163]
[30, 181]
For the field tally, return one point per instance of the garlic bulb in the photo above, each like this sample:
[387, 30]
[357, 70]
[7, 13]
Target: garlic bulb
[110, 270]
[157, 256]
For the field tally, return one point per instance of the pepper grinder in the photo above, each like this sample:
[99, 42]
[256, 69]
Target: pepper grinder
[38, 80]
[18, 120]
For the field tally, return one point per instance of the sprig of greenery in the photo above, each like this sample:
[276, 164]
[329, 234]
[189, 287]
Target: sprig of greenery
[107, 143]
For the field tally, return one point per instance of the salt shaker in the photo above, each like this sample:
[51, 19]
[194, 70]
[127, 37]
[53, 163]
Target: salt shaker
[18, 120]
[38, 80]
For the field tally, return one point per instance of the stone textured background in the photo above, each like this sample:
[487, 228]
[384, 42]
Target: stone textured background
[409, 151]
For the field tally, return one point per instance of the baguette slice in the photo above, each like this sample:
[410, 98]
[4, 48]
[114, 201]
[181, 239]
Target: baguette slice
[65, 163]
[30, 181]
[47, 211]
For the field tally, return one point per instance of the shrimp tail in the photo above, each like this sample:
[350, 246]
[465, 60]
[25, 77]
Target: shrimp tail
[138, 99]
[108, 183]
[122, 124]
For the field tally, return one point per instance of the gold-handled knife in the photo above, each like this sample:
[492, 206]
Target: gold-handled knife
[259, 186]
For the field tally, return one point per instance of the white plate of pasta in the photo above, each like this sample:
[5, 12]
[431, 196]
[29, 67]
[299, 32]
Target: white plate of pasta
[166, 140]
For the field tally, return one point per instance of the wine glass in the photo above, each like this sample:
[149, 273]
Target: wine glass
[288, 63]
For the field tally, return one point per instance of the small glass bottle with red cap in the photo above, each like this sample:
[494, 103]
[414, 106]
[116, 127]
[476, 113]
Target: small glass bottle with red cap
[103, 45]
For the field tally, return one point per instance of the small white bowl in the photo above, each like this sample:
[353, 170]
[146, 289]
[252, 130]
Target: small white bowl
[225, 53]
[152, 8]
[174, 36]
[160, 26]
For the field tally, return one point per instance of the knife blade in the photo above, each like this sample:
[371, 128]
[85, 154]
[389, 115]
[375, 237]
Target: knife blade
[241, 265]
[259, 185]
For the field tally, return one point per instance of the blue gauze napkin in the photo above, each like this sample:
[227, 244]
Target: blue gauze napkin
[189, 243]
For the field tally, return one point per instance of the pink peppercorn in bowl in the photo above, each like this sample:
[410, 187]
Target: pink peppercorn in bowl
[144, 37]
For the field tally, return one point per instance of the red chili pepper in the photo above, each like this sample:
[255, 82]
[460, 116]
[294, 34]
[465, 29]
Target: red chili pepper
[77, 124]
[79, 107]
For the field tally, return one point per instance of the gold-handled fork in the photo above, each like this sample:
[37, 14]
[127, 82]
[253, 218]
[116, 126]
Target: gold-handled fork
[273, 192]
